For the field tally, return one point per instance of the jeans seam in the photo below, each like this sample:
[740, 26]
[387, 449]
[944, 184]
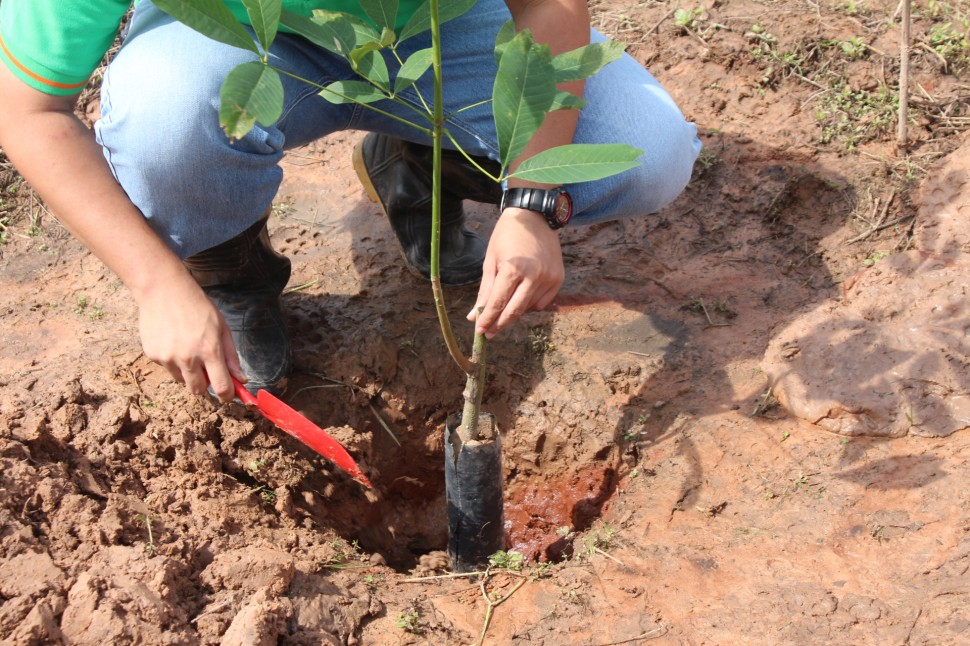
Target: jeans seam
[302, 96]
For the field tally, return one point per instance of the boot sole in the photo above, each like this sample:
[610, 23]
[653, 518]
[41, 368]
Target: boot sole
[360, 167]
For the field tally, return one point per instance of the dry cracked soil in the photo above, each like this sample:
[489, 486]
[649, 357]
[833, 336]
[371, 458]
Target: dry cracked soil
[744, 420]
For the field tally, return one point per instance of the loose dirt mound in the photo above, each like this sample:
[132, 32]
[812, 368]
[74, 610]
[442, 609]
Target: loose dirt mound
[892, 355]
[644, 454]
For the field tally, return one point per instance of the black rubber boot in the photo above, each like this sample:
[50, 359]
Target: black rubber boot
[244, 278]
[397, 175]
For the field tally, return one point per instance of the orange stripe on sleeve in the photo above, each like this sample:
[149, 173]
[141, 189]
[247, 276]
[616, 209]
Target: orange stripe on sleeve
[37, 77]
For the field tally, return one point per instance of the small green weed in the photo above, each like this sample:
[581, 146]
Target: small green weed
[874, 257]
[706, 160]
[855, 47]
[267, 497]
[83, 307]
[539, 342]
[951, 42]
[510, 560]
[853, 117]
[804, 482]
[148, 519]
[911, 417]
[598, 539]
[344, 552]
[686, 19]
[766, 402]
[407, 620]
[542, 570]
[854, 8]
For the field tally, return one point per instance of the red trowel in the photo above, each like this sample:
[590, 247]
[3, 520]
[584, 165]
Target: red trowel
[287, 419]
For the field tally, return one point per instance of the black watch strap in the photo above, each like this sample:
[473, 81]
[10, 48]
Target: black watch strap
[555, 205]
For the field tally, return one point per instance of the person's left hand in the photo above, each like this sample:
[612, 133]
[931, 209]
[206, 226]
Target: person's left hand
[523, 271]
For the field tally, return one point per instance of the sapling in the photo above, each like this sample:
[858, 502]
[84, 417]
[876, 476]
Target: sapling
[524, 91]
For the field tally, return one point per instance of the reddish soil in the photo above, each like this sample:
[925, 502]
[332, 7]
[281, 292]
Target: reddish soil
[659, 492]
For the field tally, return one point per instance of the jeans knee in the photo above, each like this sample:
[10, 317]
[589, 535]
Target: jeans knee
[162, 138]
[667, 164]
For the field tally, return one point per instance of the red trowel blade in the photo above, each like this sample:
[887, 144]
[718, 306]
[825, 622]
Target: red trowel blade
[290, 421]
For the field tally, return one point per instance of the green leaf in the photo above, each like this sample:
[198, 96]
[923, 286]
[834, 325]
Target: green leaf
[523, 92]
[505, 34]
[363, 32]
[373, 68]
[574, 163]
[336, 32]
[359, 53]
[264, 16]
[420, 20]
[582, 63]
[382, 12]
[414, 67]
[388, 37]
[567, 101]
[342, 92]
[211, 18]
[251, 92]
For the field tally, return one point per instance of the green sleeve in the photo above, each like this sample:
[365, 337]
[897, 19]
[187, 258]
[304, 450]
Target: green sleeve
[54, 45]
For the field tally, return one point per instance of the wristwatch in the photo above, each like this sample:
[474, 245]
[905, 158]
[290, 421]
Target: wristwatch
[554, 204]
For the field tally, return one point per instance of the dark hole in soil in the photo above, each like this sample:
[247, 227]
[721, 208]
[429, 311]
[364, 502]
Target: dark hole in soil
[405, 516]
[386, 398]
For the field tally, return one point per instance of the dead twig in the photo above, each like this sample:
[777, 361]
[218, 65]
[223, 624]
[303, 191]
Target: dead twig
[661, 285]
[492, 605]
[214, 610]
[607, 555]
[878, 224]
[893, 223]
[301, 287]
[660, 22]
[650, 634]
[384, 424]
[453, 575]
[902, 134]
[810, 81]
[707, 315]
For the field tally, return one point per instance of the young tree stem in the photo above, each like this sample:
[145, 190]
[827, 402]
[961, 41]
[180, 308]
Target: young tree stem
[437, 132]
[902, 135]
[474, 388]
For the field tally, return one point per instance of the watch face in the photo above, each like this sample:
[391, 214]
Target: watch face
[562, 208]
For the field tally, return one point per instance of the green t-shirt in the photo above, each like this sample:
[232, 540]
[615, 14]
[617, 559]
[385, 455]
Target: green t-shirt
[55, 45]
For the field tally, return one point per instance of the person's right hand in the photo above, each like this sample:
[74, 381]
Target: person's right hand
[183, 331]
[58, 155]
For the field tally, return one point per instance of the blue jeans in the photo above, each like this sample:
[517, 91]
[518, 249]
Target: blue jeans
[160, 127]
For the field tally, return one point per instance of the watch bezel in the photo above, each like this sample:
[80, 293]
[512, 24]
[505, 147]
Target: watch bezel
[562, 197]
